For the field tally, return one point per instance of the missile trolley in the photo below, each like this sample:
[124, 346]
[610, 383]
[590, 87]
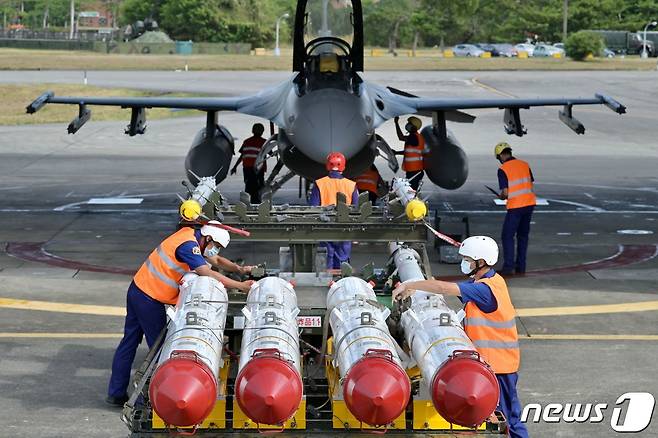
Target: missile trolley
[311, 350]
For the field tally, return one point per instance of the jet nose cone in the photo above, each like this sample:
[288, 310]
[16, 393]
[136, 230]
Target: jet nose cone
[328, 121]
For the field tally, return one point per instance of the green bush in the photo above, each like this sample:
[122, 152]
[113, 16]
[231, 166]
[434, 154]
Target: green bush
[583, 43]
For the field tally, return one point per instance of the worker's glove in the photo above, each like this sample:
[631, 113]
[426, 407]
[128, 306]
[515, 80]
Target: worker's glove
[233, 171]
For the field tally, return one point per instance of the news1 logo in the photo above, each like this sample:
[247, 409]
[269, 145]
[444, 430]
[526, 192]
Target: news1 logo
[639, 407]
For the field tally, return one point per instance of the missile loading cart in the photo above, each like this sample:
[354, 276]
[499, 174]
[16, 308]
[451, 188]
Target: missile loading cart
[312, 351]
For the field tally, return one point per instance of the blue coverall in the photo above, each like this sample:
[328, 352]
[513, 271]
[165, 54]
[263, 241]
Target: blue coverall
[145, 317]
[337, 252]
[508, 403]
[517, 222]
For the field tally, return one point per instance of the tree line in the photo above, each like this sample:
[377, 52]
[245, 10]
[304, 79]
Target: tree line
[388, 23]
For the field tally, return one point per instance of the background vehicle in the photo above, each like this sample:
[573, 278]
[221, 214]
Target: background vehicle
[491, 48]
[524, 47]
[607, 53]
[505, 50]
[621, 41]
[559, 45]
[467, 50]
[544, 50]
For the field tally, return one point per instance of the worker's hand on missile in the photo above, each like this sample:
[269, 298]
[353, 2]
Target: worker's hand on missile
[246, 269]
[233, 171]
[402, 291]
[397, 120]
[245, 286]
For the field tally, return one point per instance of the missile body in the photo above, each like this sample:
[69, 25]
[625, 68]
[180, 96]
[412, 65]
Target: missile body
[463, 388]
[191, 208]
[376, 388]
[268, 388]
[183, 388]
[415, 208]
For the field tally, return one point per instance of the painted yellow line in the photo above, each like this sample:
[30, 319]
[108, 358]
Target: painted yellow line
[62, 335]
[49, 306]
[592, 337]
[642, 306]
[87, 309]
[477, 82]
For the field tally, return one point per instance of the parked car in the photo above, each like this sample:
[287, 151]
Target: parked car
[559, 45]
[543, 50]
[505, 50]
[491, 48]
[524, 47]
[607, 53]
[467, 50]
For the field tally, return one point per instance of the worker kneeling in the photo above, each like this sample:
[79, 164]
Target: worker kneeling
[156, 284]
[324, 193]
[490, 319]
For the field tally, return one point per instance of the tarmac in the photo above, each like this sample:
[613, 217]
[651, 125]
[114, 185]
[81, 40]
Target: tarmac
[588, 308]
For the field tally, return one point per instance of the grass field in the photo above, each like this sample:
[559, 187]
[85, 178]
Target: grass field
[16, 97]
[15, 59]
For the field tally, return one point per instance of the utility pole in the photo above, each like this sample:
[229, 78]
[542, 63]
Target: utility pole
[72, 20]
[565, 20]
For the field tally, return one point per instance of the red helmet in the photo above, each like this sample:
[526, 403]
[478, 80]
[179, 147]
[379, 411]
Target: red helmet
[336, 161]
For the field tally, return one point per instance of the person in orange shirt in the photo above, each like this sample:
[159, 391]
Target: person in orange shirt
[516, 181]
[414, 149]
[490, 320]
[324, 194]
[370, 181]
[254, 180]
[156, 284]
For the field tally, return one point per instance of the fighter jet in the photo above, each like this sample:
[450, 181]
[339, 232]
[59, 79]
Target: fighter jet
[326, 106]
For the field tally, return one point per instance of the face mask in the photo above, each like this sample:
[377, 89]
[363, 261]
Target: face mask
[466, 267]
[211, 251]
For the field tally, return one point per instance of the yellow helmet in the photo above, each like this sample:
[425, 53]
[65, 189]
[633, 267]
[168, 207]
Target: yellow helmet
[500, 147]
[190, 210]
[415, 121]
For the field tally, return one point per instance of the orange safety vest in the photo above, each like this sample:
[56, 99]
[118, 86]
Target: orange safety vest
[368, 181]
[250, 150]
[519, 184]
[329, 187]
[413, 155]
[494, 334]
[159, 275]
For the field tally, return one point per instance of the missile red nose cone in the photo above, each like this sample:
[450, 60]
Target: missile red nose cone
[268, 390]
[376, 391]
[465, 392]
[183, 392]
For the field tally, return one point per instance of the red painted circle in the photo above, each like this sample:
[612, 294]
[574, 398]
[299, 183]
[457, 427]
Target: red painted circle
[268, 390]
[465, 391]
[376, 391]
[183, 392]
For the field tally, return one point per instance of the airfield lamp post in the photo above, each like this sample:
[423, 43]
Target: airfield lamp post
[277, 50]
[651, 25]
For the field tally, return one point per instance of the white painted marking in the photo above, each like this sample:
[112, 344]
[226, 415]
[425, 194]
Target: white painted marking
[578, 204]
[115, 201]
[590, 234]
[564, 234]
[635, 232]
[588, 195]
[540, 201]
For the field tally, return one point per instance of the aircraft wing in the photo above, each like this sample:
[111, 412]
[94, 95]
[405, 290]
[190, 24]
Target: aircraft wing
[512, 107]
[397, 103]
[266, 104]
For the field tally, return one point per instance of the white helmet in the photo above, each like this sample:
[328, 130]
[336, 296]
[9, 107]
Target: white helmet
[480, 248]
[219, 235]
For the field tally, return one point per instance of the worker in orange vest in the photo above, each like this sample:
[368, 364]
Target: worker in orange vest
[324, 194]
[414, 149]
[370, 181]
[490, 319]
[515, 180]
[156, 284]
[254, 180]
